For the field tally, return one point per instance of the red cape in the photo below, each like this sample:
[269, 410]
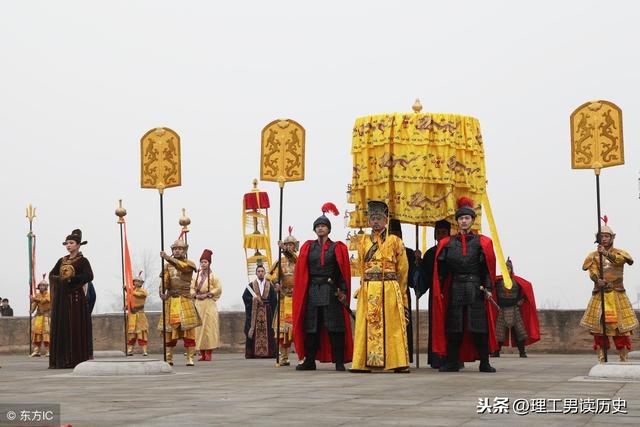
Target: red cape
[301, 283]
[468, 351]
[528, 311]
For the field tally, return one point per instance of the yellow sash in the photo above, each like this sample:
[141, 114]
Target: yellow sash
[174, 318]
[610, 315]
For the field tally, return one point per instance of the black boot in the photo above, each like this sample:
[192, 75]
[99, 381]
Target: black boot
[497, 352]
[310, 349]
[337, 349]
[451, 364]
[523, 353]
[486, 367]
[481, 341]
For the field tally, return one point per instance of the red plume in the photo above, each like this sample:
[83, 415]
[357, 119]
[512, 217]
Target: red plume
[465, 201]
[605, 219]
[330, 207]
[290, 230]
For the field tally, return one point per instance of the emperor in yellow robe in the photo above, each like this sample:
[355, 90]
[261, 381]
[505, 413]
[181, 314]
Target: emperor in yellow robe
[381, 325]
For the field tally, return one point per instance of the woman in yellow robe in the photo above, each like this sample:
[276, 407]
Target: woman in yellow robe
[381, 320]
[207, 290]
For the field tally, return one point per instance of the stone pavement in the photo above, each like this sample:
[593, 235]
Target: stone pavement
[232, 390]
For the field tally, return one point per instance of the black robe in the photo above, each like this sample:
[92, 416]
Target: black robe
[426, 282]
[261, 342]
[69, 344]
[91, 302]
[411, 284]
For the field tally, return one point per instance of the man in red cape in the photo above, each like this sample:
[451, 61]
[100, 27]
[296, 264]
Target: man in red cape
[463, 314]
[322, 277]
[517, 323]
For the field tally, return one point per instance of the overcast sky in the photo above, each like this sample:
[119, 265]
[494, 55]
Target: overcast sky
[82, 81]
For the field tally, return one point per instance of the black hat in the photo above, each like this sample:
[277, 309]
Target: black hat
[465, 207]
[322, 219]
[395, 227]
[443, 223]
[376, 207]
[76, 236]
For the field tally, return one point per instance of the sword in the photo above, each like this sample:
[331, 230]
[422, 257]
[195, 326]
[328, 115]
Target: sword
[346, 307]
[489, 297]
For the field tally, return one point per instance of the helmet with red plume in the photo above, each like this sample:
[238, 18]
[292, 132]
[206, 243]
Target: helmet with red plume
[605, 229]
[465, 207]
[322, 219]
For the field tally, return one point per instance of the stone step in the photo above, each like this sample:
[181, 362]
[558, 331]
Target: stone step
[122, 367]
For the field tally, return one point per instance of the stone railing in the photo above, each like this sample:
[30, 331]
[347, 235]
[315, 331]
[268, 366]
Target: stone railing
[560, 332]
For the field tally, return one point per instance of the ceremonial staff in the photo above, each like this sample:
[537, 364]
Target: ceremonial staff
[416, 290]
[31, 243]
[184, 221]
[120, 213]
[160, 169]
[282, 160]
[597, 143]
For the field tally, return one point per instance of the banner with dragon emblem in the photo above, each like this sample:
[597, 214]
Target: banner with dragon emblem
[420, 164]
[596, 136]
[282, 154]
[160, 159]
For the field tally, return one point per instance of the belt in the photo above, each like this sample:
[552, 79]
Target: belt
[609, 288]
[467, 277]
[321, 280]
[379, 277]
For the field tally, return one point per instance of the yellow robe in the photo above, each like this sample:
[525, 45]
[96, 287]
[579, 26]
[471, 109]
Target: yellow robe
[620, 319]
[381, 328]
[207, 335]
[286, 300]
[182, 317]
[40, 323]
[137, 323]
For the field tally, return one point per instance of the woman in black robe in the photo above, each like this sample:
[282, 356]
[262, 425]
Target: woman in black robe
[69, 332]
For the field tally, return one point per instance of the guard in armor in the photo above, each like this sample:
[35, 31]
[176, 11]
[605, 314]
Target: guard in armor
[40, 324]
[286, 266]
[182, 317]
[464, 274]
[321, 324]
[620, 319]
[517, 320]
[137, 323]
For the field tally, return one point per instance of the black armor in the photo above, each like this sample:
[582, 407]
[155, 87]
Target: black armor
[468, 272]
[508, 297]
[322, 303]
[464, 261]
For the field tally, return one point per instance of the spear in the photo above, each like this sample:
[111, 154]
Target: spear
[31, 243]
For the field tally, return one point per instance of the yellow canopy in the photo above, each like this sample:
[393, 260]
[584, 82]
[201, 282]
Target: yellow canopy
[420, 164]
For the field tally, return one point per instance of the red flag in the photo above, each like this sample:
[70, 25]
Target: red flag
[128, 271]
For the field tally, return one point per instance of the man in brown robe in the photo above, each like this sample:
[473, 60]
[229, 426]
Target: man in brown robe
[260, 302]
